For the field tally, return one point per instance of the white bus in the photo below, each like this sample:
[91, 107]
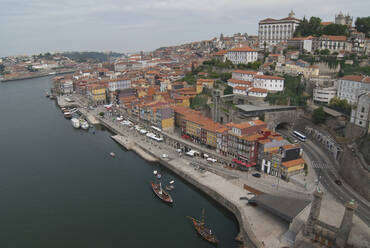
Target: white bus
[299, 136]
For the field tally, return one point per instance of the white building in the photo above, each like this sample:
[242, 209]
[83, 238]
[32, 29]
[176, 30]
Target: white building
[242, 55]
[324, 95]
[304, 44]
[119, 84]
[244, 75]
[257, 92]
[360, 115]
[240, 90]
[270, 83]
[239, 83]
[67, 86]
[334, 43]
[351, 86]
[272, 31]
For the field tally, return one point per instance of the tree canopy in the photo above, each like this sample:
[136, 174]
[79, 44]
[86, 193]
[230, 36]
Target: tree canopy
[363, 25]
[228, 90]
[313, 27]
[319, 115]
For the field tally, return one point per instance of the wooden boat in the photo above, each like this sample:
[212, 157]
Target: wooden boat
[202, 230]
[161, 193]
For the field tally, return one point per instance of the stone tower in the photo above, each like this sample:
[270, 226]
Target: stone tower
[291, 14]
[216, 105]
[314, 213]
[346, 225]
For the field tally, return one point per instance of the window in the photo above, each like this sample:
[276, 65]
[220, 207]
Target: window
[362, 109]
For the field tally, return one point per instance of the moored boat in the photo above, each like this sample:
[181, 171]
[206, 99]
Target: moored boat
[75, 122]
[84, 124]
[161, 193]
[204, 231]
[112, 154]
[67, 115]
[47, 94]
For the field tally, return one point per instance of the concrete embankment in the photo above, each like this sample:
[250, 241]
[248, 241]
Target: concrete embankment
[217, 187]
[130, 145]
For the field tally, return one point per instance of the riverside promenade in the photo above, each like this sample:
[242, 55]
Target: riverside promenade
[258, 228]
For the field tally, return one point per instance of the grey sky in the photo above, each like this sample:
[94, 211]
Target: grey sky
[34, 26]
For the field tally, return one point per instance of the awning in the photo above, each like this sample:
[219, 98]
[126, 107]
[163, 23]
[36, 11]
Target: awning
[251, 164]
[236, 161]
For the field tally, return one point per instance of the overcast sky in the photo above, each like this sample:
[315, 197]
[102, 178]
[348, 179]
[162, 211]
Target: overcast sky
[34, 26]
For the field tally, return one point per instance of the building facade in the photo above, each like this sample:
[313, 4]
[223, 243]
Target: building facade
[351, 86]
[360, 115]
[242, 55]
[324, 95]
[272, 32]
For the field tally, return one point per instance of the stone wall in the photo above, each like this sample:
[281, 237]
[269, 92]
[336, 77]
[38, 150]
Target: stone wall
[352, 172]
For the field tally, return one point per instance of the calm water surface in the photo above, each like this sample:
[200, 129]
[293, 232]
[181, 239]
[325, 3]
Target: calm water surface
[60, 188]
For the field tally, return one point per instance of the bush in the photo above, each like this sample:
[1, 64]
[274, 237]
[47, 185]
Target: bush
[319, 115]
[101, 114]
[228, 90]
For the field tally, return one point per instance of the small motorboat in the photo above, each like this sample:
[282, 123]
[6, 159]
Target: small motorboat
[155, 172]
[47, 94]
[169, 187]
[112, 154]
[67, 115]
[172, 181]
[75, 122]
[159, 176]
[84, 124]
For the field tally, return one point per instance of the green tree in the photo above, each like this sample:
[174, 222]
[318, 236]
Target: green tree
[2, 68]
[363, 25]
[341, 105]
[319, 115]
[228, 90]
[335, 29]
[199, 102]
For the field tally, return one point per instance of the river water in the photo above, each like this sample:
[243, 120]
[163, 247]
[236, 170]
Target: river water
[60, 188]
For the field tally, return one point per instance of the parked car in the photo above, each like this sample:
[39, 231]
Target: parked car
[338, 182]
[256, 175]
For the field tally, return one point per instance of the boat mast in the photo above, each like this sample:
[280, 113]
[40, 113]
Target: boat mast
[203, 216]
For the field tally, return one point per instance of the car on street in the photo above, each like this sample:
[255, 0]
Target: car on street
[338, 182]
[256, 175]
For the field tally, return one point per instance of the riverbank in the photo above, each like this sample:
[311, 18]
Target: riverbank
[32, 76]
[258, 228]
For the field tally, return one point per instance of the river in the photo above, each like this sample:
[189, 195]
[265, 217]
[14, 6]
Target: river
[60, 188]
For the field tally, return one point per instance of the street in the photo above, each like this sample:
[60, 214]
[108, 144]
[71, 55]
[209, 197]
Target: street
[343, 193]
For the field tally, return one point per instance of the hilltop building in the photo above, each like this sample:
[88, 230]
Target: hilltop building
[274, 31]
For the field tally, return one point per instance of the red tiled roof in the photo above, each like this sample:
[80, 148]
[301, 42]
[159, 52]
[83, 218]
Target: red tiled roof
[268, 77]
[258, 90]
[335, 37]
[245, 72]
[242, 49]
[355, 78]
[292, 163]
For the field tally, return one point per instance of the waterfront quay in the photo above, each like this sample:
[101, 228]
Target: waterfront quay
[231, 188]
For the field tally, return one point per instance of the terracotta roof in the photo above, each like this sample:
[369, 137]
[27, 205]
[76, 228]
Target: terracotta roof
[245, 72]
[268, 77]
[240, 88]
[258, 90]
[236, 81]
[302, 38]
[246, 124]
[220, 53]
[293, 163]
[326, 23]
[335, 37]
[242, 49]
[355, 78]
